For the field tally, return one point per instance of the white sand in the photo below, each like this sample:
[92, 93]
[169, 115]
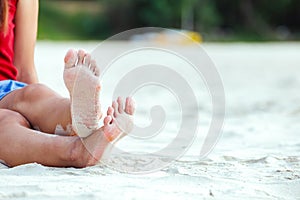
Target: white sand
[257, 157]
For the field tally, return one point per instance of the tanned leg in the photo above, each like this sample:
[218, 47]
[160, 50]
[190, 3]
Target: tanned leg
[19, 144]
[41, 106]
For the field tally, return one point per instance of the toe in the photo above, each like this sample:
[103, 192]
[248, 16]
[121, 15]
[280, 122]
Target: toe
[87, 60]
[81, 55]
[121, 105]
[107, 120]
[110, 111]
[129, 106]
[95, 68]
[115, 107]
[70, 58]
[97, 71]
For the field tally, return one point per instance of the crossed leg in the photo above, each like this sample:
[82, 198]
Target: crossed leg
[43, 108]
[37, 106]
[19, 144]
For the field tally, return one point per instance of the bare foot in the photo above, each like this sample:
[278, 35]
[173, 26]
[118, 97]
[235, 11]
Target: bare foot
[119, 119]
[103, 138]
[81, 77]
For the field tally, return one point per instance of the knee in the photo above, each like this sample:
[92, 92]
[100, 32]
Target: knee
[32, 91]
[8, 117]
[29, 94]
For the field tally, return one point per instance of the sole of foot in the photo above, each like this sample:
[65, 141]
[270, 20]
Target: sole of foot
[81, 77]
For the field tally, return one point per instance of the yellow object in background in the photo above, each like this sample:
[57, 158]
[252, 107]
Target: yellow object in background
[181, 37]
[196, 37]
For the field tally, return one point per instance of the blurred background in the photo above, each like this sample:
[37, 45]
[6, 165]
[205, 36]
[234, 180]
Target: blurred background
[226, 20]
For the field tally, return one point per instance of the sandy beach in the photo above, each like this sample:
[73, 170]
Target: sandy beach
[256, 157]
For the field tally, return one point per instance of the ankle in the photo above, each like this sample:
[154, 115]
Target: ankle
[79, 156]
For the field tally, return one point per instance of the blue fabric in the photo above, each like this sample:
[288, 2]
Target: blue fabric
[8, 86]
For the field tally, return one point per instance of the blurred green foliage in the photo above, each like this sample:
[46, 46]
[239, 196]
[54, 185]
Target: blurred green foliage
[226, 20]
[58, 22]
